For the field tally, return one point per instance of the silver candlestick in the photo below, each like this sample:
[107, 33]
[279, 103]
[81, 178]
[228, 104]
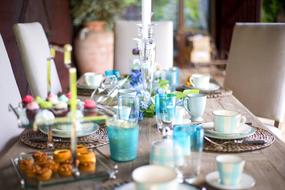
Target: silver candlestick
[146, 51]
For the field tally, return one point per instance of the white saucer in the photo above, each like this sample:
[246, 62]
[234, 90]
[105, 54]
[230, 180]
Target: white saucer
[246, 181]
[245, 131]
[182, 122]
[86, 129]
[131, 186]
[211, 87]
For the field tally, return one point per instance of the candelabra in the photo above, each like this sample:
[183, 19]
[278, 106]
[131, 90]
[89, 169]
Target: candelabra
[146, 51]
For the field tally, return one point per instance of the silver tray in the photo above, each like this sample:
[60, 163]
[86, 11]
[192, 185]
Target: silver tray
[105, 169]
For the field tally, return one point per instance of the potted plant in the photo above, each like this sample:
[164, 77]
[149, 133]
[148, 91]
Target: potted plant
[93, 21]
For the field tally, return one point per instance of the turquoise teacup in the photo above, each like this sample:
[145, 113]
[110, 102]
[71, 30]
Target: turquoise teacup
[230, 169]
[195, 104]
[226, 121]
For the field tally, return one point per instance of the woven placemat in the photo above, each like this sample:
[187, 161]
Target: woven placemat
[97, 139]
[233, 147]
[219, 93]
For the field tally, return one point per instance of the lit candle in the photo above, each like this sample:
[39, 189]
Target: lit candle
[52, 52]
[49, 75]
[67, 54]
[146, 16]
[73, 89]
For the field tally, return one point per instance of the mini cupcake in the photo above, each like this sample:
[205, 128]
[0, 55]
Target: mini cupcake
[45, 105]
[63, 98]
[68, 95]
[52, 98]
[89, 108]
[60, 109]
[31, 110]
[27, 99]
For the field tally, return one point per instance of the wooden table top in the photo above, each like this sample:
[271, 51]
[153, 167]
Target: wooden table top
[267, 166]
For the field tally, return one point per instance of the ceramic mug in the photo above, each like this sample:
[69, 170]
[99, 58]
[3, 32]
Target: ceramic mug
[195, 104]
[152, 177]
[93, 79]
[200, 81]
[230, 168]
[226, 121]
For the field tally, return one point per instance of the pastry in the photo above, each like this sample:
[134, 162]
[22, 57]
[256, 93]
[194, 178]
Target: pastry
[65, 170]
[63, 98]
[61, 156]
[24, 165]
[43, 174]
[81, 149]
[51, 164]
[68, 95]
[27, 99]
[86, 157]
[52, 98]
[45, 104]
[87, 167]
[40, 157]
[60, 109]
[31, 171]
[31, 110]
[89, 108]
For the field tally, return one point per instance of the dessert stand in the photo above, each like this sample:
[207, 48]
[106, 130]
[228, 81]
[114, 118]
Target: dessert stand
[105, 168]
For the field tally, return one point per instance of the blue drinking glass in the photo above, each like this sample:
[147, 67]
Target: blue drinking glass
[165, 105]
[190, 138]
[173, 78]
[123, 140]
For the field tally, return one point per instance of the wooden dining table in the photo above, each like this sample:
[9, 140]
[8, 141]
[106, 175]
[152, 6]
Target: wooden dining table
[266, 166]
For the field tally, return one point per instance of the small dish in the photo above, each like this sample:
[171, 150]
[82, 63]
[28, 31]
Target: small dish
[212, 87]
[246, 181]
[245, 131]
[87, 129]
[131, 186]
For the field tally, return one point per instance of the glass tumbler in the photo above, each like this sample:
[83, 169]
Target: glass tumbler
[123, 139]
[128, 107]
[190, 138]
[165, 105]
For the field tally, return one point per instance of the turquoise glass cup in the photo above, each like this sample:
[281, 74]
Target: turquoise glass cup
[165, 105]
[190, 139]
[123, 140]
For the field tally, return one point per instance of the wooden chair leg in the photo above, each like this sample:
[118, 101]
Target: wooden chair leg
[276, 124]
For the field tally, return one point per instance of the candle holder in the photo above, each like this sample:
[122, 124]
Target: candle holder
[146, 51]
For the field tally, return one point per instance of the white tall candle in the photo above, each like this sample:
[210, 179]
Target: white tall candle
[146, 16]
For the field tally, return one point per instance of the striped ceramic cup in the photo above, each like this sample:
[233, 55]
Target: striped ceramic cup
[226, 121]
[230, 168]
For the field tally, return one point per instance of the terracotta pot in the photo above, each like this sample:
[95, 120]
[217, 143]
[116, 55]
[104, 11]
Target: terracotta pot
[94, 48]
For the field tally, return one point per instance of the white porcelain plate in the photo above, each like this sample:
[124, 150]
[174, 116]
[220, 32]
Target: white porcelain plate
[131, 186]
[245, 131]
[86, 129]
[211, 87]
[246, 181]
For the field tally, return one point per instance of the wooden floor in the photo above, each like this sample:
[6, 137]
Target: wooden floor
[219, 74]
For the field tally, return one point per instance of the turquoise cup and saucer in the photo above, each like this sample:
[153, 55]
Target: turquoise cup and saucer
[229, 174]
